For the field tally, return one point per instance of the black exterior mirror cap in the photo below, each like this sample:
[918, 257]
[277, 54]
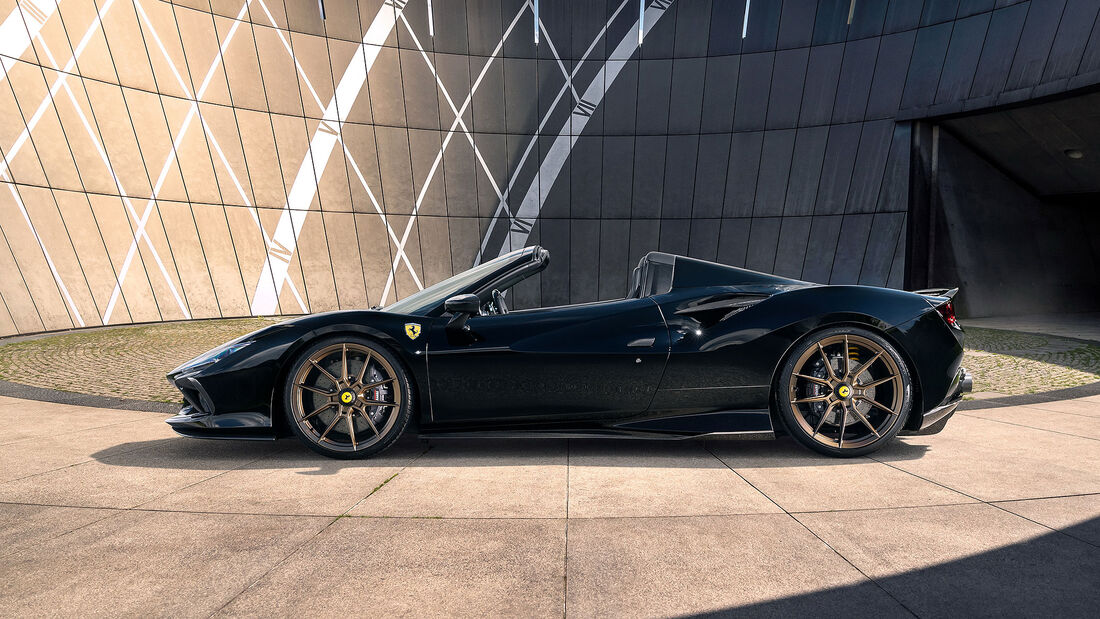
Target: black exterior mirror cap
[463, 304]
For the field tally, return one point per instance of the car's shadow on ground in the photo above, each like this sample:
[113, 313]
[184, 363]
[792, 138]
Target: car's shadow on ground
[193, 454]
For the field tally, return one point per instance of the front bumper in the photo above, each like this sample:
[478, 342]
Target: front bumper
[936, 418]
[197, 417]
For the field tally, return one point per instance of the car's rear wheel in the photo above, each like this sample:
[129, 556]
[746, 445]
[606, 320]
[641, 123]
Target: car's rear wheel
[347, 397]
[844, 391]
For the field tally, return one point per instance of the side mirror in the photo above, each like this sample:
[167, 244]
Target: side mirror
[463, 304]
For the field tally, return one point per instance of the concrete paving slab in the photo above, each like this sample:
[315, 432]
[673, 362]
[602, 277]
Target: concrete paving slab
[1043, 419]
[292, 481]
[44, 419]
[1088, 406]
[1078, 516]
[966, 560]
[817, 483]
[149, 563]
[477, 479]
[649, 478]
[415, 567]
[128, 479]
[764, 564]
[25, 526]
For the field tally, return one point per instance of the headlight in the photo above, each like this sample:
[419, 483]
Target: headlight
[211, 357]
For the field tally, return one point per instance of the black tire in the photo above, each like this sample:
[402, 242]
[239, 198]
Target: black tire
[364, 425]
[816, 402]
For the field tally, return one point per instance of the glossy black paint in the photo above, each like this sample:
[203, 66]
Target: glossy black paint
[694, 350]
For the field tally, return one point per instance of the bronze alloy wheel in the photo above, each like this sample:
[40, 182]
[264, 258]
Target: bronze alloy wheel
[345, 399]
[845, 392]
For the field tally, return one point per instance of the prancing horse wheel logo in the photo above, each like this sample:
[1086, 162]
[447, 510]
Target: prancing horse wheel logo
[347, 397]
[844, 391]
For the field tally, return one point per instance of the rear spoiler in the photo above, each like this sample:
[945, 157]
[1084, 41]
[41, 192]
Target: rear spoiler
[947, 293]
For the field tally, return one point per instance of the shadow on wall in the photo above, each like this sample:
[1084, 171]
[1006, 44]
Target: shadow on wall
[1054, 575]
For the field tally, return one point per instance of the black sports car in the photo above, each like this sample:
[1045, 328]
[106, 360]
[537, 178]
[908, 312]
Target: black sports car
[697, 349]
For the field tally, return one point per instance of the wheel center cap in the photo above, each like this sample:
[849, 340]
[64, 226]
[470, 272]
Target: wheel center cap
[347, 396]
[844, 391]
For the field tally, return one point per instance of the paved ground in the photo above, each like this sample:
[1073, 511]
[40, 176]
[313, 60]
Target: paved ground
[106, 512]
[130, 362]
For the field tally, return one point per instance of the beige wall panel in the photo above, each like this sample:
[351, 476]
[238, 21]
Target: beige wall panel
[127, 46]
[368, 10]
[194, 157]
[312, 55]
[152, 133]
[334, 188]
[250, 248]
[242, 68]
[359, 140]
[48, 139]
[404, 284]
[80, 18]
[429, 188]
[24, 80]
[290, 135]
[435, 238]
[169, 66]
[263, 160]
[176, 111]
[346, 266]
[214, 232]
[306, 17]
[32, 263]
[340, 56]
[16, 296]
[277, 69]
[271, 13]
[198, 5]
[118, 138]
[172, 297]
[202, 48]
[190, 257]
[230, 8]
[7, 325]
[56, 233]
[316, 264]
[98, 268]
[232, 173]
[51, 41]
[342, 21]
[74, 111]
[114, 223]
[269, 218]
[374, 249]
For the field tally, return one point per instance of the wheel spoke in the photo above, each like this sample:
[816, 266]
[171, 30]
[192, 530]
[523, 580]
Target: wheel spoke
[876, 383]
[876, 404]
[316, 390]
[375, 384]
[369, 422]
[323, 407]
[351, 430]
[868, 364]
[363, 370]
[818, 398]
[825, 358]
[860, 417]
[331, 425]
[843, 423]
[821, 422]
[820, 381]
[847, 358]
[378, 403]
[344, 363]
[325, 372]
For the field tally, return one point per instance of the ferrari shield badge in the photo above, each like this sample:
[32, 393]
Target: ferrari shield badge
[412, 330]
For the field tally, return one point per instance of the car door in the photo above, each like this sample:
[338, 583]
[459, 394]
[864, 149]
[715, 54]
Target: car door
[591, 361]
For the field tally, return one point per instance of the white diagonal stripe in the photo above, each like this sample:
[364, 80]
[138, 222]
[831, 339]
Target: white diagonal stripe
[302, 191]
[19, 29]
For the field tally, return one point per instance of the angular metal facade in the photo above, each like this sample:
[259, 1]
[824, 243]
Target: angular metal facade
[235, 157]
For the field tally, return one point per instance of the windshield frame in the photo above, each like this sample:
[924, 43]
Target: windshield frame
[429, 301]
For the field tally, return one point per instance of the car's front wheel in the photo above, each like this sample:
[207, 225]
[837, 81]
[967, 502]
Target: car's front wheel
[347, 397]
[844, 391]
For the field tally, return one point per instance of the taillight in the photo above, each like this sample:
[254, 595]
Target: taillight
[947, 310]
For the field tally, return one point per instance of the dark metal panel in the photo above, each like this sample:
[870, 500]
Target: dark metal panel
[584, 239]
[450, 27]
[520, 96]
[645, 236]
[832, 21]
[874, 148]
[552, 81]
[1000, 45]
[821, 79]
[719, 94]
[554, 236]
[733, 241]
[617, 178]
[1069, 42]
[850, 248]
[654, 89]
[973, 7]
[660, 38]
[704, 238]
[710, 175]
[1035, 43]
[791, 251]
[925, 66]
[649, 171]
[763, 239]
[620, 104]
[674, 235]
[692, 28]
[867, 19]
[494, 150]
[902, 15]
[937, 11]
[753, 91]
[855, 80]
[679, 185]
[741, 177]
[809, 154]
[881, 247]
[763, 27]
[394, 166]
[588, 18]
[585, 174]
[788, 76]
[424, 145]
[836, 172]
[796, 25]
[554, 188]
[962, 58]
[824, 232]
[726, 19]
[685, 107]
[893, 63]
[775, 166]
[614, 258]
[483, 24]
[488, 102]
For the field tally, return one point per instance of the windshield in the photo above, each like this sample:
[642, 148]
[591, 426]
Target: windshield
[432, 296]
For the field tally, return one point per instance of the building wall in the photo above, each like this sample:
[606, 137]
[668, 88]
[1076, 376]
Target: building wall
[233, 157]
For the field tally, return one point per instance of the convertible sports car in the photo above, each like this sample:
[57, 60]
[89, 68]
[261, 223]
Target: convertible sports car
[697, 349]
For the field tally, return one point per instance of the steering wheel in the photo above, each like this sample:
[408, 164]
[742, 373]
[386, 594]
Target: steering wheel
[498, 300]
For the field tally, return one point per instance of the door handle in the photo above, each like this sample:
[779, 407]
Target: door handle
[642, 342]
